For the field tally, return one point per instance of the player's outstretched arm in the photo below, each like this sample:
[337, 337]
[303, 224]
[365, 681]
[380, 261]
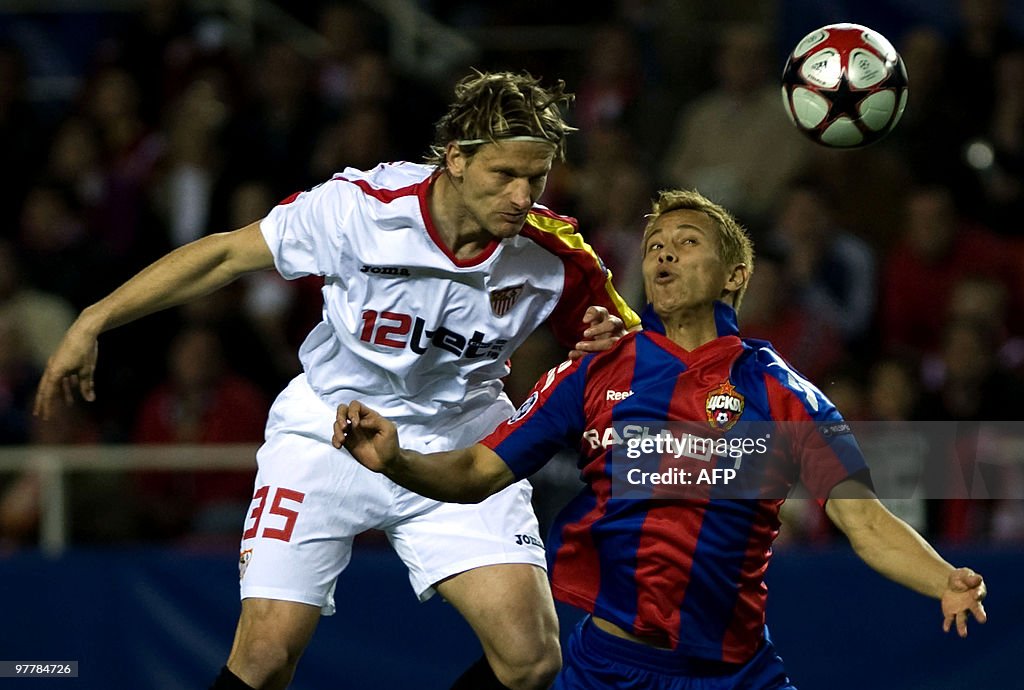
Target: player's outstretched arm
[186, 273]
[895, 550]
[466, 475]
[603, 330]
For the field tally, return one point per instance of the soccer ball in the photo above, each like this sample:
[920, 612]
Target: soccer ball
[844, 86]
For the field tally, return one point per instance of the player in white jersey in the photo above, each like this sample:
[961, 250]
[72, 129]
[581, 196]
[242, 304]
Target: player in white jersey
[433, 275]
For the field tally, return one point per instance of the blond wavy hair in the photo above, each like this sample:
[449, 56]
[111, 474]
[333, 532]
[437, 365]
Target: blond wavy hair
[490, 106]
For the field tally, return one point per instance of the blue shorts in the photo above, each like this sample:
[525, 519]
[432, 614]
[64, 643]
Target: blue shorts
[596, 660]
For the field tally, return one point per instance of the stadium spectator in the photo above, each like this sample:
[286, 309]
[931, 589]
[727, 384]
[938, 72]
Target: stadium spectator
[671, 576]
[274, 130]
[612, 80]
[199, 401]
[55, 252]
[40, 317]
[894, 393]
[982, 36]
[185, 182]
[1003, 179]
[20, 492]
[358, 138]
[17, 371]
[74, 162]
[345, 29]
[158, 46]
[717, 132]
[932, 135]
[972, 387]
[614, 231]
[971, 382]
[424, 267]
[21, 132]
[894, 389]
[267, 313]
[256, 354]
[937, 247]
[832, 271]
[130, 149]
[776, 312]
[606, 149]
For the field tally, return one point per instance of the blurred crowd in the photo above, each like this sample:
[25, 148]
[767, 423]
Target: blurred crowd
[891, 276]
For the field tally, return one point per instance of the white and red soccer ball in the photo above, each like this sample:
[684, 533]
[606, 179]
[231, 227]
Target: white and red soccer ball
[844, 86]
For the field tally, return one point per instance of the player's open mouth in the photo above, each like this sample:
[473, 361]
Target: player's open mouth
[664, 277]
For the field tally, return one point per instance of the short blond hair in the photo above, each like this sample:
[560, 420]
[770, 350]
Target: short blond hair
[490, 106]
[734, 243]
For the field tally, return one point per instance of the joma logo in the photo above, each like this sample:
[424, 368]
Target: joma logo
[385, 270]
[528, 540]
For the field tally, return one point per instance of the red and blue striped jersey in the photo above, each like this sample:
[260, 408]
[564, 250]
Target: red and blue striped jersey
[688, 571]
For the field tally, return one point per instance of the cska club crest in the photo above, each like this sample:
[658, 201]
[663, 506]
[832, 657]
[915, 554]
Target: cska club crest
[724, 407]
[503, 299]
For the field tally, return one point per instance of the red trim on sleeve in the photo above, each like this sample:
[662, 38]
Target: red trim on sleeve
[586, 283]
[383, 195]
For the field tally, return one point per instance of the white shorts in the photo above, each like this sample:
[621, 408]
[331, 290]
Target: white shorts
[311, 500]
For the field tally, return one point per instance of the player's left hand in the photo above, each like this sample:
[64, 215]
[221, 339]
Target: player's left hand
[965, 590]
[603, 330]
[371, 438]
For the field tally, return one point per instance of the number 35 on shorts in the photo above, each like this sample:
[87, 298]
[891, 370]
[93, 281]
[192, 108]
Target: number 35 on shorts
[281, 528]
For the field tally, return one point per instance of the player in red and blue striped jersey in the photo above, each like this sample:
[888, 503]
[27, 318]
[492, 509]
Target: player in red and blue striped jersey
[673, 575]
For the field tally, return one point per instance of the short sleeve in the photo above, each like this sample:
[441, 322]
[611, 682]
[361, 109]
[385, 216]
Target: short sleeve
[822, 443]
[305, 231]
[550, 420]
[588, 282]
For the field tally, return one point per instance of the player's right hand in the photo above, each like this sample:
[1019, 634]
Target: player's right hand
[603, 330]
[965, 590]
[371, 438]
[71, 367]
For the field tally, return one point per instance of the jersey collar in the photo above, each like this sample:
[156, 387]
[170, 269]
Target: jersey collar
[428, 221]
[725, 320]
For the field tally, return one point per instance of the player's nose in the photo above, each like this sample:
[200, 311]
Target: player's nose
[520, 194]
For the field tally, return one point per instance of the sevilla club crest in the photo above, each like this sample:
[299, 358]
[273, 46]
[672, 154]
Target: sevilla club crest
[503, 299]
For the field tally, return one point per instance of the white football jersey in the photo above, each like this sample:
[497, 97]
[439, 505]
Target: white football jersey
[421, 336]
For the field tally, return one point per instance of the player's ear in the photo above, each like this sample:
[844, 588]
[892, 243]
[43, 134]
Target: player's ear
[454, 159]
[737, 278]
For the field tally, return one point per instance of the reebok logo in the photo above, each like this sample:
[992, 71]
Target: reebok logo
[385, 270]
[617, 395]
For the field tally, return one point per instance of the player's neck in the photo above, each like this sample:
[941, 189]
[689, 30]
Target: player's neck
[456, 228]
[690, 328]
